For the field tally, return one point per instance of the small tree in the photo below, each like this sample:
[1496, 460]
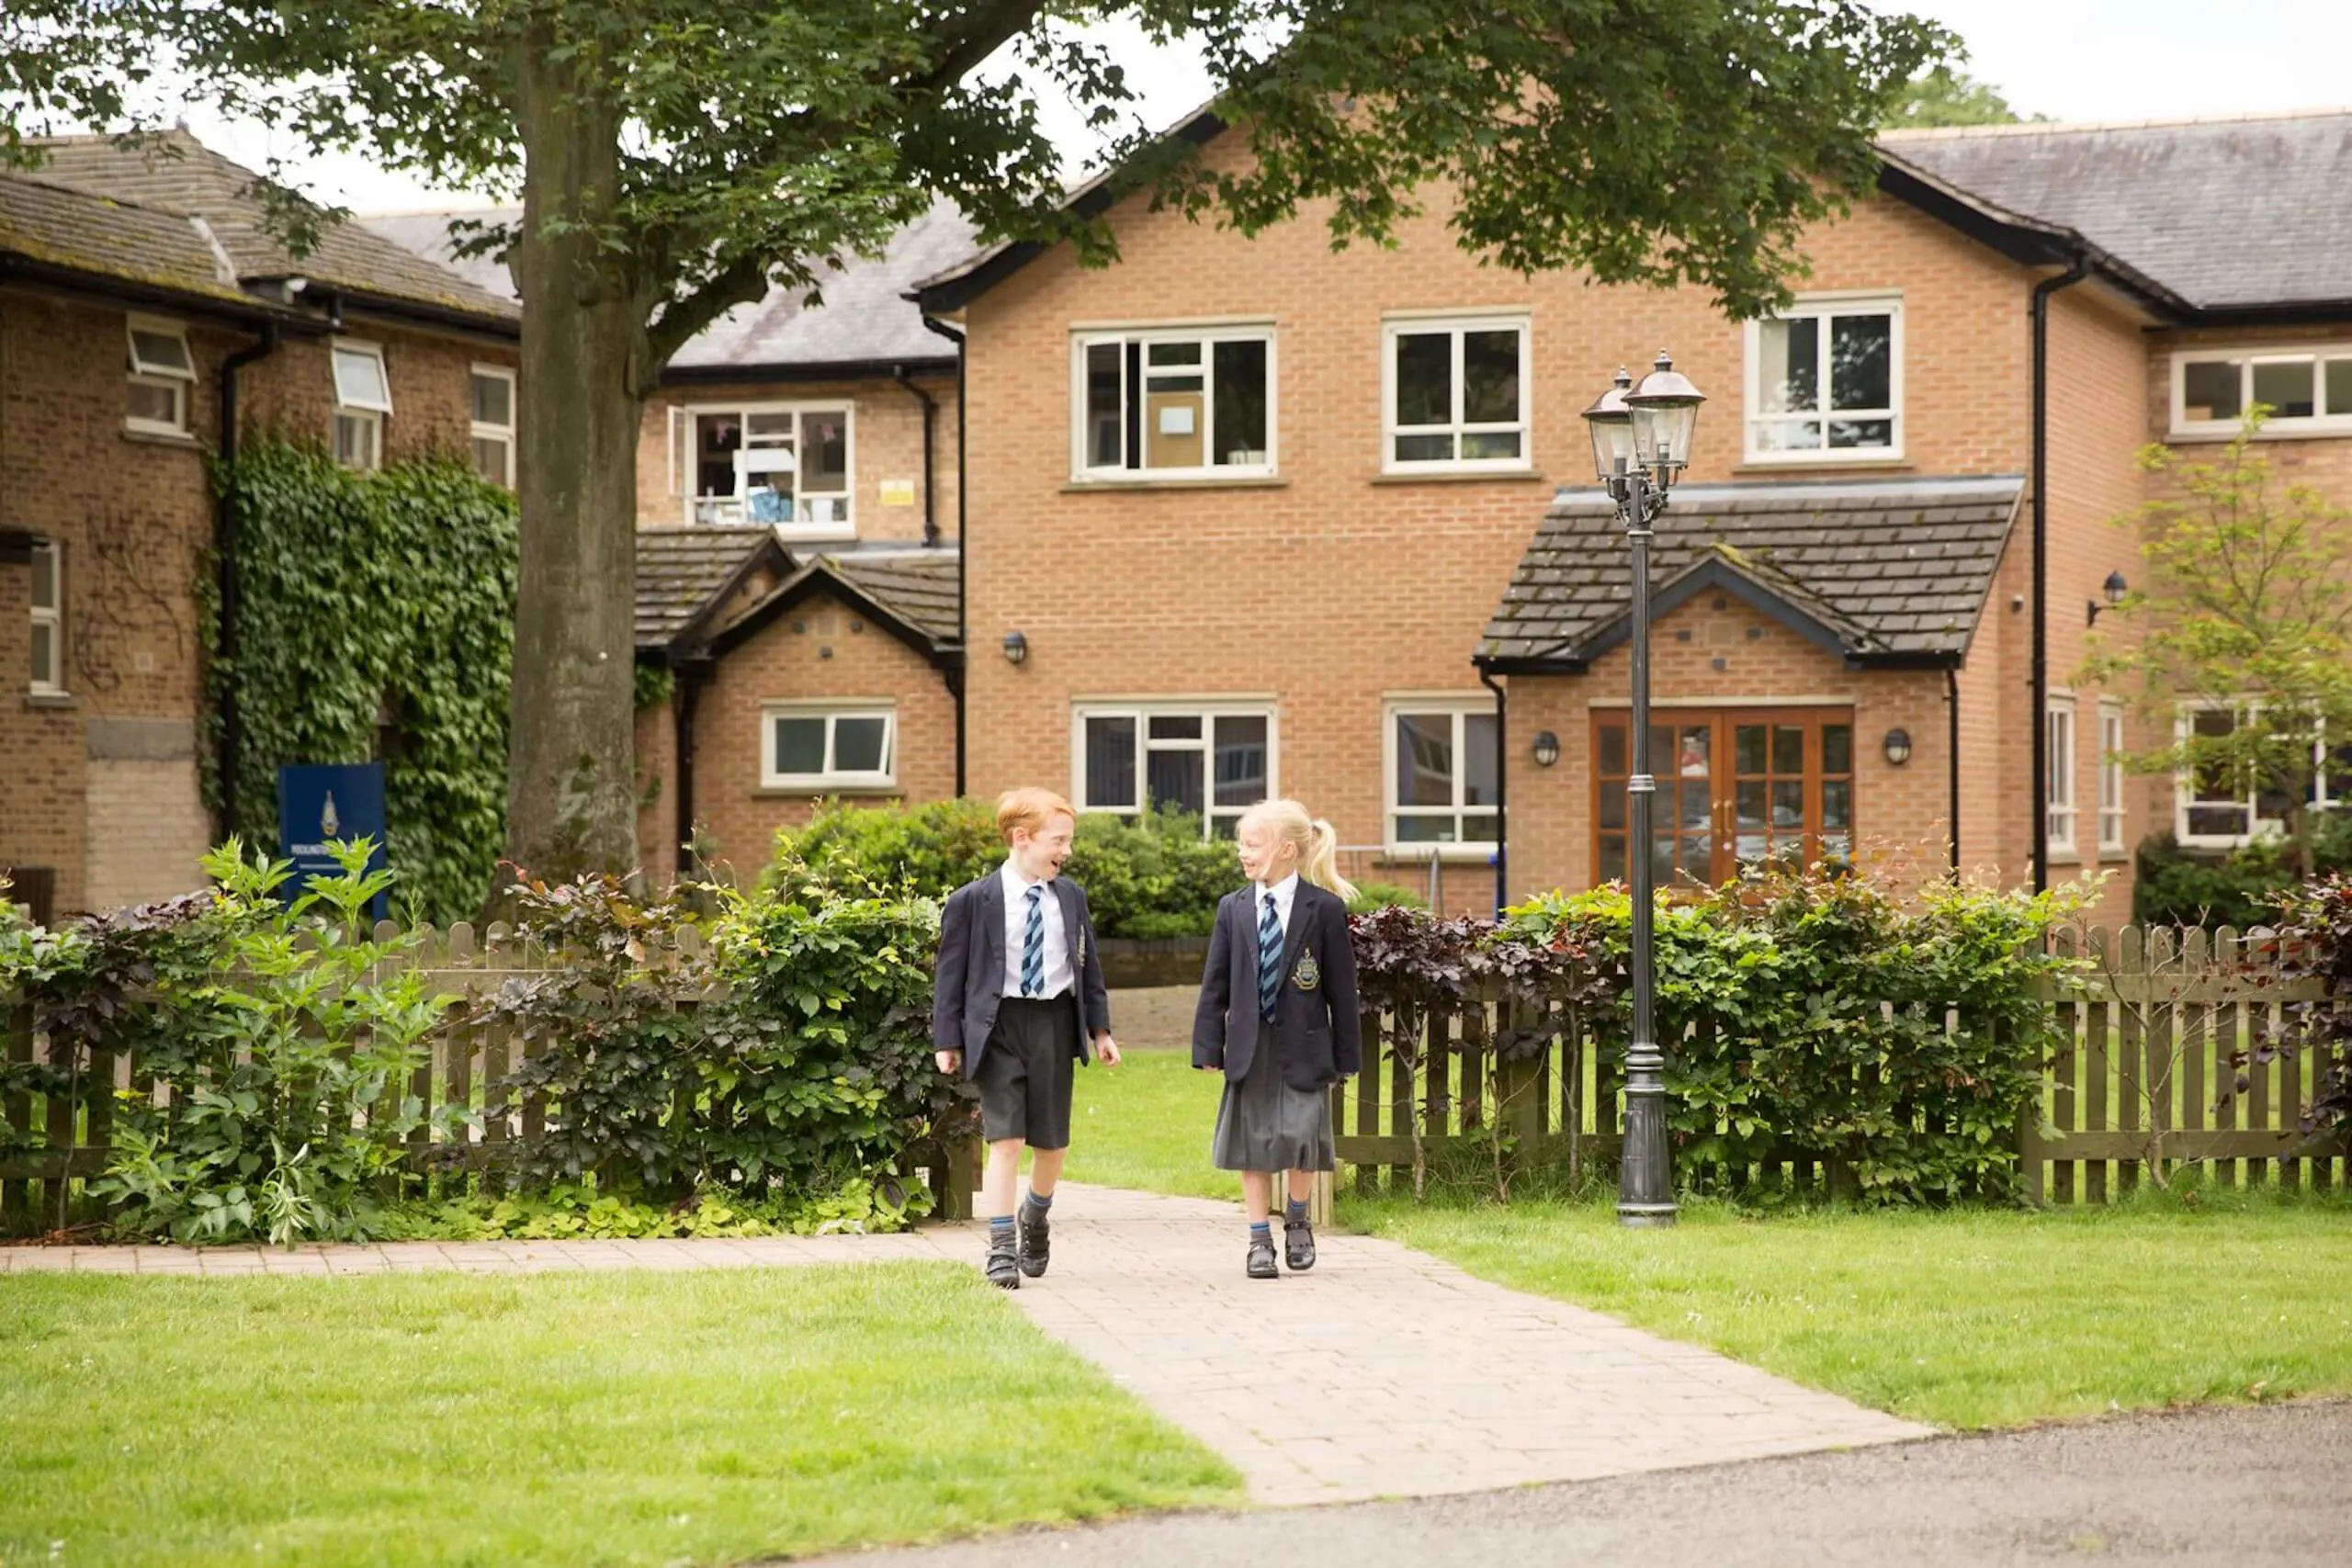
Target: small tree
[1944, 96]
[2239, 643]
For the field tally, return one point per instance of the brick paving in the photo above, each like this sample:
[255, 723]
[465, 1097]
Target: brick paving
[1384, 1372]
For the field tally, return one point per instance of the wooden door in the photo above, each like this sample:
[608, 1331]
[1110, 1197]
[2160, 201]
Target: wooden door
[1736, 787]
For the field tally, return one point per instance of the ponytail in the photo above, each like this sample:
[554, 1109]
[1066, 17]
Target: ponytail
[1320, 862]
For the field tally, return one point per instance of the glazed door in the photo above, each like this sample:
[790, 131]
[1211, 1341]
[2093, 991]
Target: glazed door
[1736, 787]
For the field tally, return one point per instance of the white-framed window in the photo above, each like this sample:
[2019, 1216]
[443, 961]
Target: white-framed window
[828, 746]
[162, 371]
[788, 464]
[48, 619]
[2218, 807]
[1825, 380]
[1444, 769]
[2059, 790]
[1172, 402]
[1212, 760]
[493, 424]
[2309, 389]
[362, 397]
[1454, 393]
[2111, 774]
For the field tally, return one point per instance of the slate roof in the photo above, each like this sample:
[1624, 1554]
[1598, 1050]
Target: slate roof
[919, 590]
[428, 234]
[1885, 570]
[680, 569]
[2227, 214]
[186, 177]
[57, 226]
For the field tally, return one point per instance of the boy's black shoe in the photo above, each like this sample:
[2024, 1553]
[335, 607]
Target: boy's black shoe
[1298, 1246]
[1261, 1258]
[1036, 1239]
[1001, 1270]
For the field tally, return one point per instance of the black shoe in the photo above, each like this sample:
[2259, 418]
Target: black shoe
[1261, 1258]
[1002, 1271]
[1298, 1246]
[1036, 1240]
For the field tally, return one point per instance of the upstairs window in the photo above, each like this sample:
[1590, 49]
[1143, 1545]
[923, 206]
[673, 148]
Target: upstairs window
[363, 397]
[48, 619]
[775, 463]
[162, 371]
[1455, 394]
[1824, 381]
[2308, 391]
[2219, 807]
[493, 424]
[1174, 404]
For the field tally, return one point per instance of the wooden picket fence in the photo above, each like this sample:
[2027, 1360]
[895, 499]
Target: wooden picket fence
[2139, 1080]
[466, 1066]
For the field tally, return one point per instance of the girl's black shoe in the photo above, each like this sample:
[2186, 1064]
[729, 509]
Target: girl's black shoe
[1002, 1271]
[1261, 1258]
[1298, 1246]
[1036, 1239]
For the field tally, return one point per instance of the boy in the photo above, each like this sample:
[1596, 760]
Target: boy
[1018, 994]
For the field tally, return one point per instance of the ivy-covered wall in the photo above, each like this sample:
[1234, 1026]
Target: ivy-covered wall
[375, 619]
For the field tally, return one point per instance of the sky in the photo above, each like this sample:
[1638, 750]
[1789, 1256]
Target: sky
[2071, 60]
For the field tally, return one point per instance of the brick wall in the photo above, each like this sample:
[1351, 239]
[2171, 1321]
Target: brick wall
[886, 442]
[103, 782]
[818, 649]
[1334, 586]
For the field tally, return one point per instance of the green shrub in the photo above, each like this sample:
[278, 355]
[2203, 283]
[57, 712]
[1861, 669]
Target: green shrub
[1153, 878]
[1813, 1017]
[2241, 887]
[1371, 896]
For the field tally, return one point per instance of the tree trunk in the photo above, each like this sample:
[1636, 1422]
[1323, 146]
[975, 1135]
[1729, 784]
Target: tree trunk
[572, 803]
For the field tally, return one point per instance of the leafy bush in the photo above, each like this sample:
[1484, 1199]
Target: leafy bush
[2175, 886]
[2316, 945]
[1815, 1016]
[1154, 878]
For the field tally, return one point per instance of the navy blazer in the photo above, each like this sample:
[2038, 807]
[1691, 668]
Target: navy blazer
[969, 980]
[1322, 1036]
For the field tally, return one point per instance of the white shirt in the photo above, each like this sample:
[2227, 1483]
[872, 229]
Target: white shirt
[1285, 892]
[1059, 978]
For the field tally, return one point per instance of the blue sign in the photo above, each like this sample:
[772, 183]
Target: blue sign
[317, 801]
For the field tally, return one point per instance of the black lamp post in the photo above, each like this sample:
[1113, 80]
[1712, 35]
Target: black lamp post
[1641, 440]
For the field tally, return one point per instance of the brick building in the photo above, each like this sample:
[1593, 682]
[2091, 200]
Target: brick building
[1264, 518]
[146, 323]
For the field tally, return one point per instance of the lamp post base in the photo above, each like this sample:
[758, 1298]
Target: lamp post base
[1646, 1217]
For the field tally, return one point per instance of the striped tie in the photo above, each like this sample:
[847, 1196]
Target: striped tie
[1032, 946]
[1269, 960]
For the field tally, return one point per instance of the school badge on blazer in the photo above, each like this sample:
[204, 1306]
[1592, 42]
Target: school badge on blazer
[1308, 976]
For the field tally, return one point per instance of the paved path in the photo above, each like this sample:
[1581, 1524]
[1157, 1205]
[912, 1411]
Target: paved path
[2216, 1488]
[1382, 1373]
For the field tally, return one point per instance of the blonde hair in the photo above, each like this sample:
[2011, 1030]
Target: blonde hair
[1030, 808]
[1318, 841]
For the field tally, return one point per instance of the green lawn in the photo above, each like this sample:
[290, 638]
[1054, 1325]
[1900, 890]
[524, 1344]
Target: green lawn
[613, 1418]
[1966, 1319]
[1146, 1124]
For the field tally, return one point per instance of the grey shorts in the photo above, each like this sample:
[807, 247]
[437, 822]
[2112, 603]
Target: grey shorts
[1025, 1074]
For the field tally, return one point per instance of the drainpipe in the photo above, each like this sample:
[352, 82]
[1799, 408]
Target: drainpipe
[1951, 747]
[930, 412]
[2077, 267]
[962, 545]
[224, 558]
[684, 690]
[1502, 787]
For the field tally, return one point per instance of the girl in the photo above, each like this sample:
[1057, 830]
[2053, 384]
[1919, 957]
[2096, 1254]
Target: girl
[1278, 1018]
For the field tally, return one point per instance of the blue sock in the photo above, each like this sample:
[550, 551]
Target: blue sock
[1040, 1204]
[1000, 1224]
[1297, 1209]
[1260, 1230]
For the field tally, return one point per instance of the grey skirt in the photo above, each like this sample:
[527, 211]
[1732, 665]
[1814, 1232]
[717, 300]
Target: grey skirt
[1264, 1124]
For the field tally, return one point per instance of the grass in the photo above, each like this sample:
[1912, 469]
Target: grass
[1146, 1124]
[615, 1419]
[1967, 1319]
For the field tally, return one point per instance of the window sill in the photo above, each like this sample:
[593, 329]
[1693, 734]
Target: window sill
[820, 787]
[1404, 856]
[831, 534]
[1754, 465]
[2269, 432]
[51, 700]
[1238, 481]
[180, 439]
[1460, 476]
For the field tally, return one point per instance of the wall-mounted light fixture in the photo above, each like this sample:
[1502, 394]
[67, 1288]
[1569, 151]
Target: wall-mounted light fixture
[1547, 747]
[1898, 746]
[1016, 648]
[2115, 588]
